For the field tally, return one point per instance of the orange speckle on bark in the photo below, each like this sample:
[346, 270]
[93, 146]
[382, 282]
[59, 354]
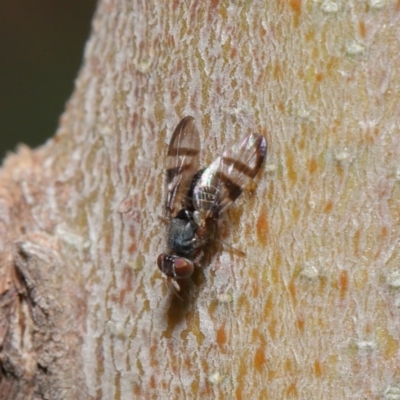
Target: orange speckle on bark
[292, 291]
[384, 232]
[288, 366]
[328, 207]
[277, 71]
[243, 302]
[195, 386]
[174, 94]
[108, 242]
[239, 392]
[255, 288]
[242, 373]
[302, 143]
[296, 7]
[152, 351]
[150, 190]
[137, 389]
[310, 35]
[259, 359]
[317, 368]
[221, 336]
[339, 170]
[362, 29]
[300, 324]
[312, 165]
[392, 348]
[292, 174]
[343, 284]
[356, 241]
[272, 328]
[258, 336]
[292, 391]
[275, 268]
[262, 226]
[213, 11]
[153, 382]
[268, 307]
[214, 3]
[170, 40]
[132, 248]
[330, 65]
[127, 278]
[387, 343]
[295, 214]
[319, 77]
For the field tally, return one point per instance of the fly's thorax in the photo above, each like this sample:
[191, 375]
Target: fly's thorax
[181, 233]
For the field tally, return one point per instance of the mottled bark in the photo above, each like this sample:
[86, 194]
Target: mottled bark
[312, 310]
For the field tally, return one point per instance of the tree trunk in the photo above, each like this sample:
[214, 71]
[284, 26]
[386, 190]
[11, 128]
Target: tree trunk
[312, 310]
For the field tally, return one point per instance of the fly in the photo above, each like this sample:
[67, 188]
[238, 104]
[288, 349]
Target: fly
[195, 198]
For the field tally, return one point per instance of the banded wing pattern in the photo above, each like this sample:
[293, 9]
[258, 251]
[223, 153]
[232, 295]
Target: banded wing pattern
[182, 162]
[223, 181]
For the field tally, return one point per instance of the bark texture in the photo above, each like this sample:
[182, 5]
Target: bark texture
[312, 310]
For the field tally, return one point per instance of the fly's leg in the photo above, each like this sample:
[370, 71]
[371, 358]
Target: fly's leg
[198, 258]
[231, 248]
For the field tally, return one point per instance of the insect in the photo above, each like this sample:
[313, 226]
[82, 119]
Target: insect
[195, 198]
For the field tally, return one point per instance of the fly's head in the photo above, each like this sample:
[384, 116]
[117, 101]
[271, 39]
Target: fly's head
[175, 267]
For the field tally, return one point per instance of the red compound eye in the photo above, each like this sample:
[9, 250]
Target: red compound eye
[175, 266]
[183, 268]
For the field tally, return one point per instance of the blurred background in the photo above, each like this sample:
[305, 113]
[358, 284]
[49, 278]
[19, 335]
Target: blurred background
[41, 50]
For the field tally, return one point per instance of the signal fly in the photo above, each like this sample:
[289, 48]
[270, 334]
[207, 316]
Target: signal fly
[196, 198]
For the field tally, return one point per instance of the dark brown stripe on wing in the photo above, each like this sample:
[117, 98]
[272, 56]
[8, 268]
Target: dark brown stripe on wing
[232, 188]
[244, 168]
[172, 172]
[182, 151]
[241, 167]
[260, 149]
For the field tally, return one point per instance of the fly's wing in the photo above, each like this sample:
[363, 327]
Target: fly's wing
[223, 181]
[182, 162]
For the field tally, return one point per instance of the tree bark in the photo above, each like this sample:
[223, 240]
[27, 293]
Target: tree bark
[311, 310]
